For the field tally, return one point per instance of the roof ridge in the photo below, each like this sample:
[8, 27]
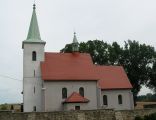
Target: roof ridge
[65, 53]
[108, 66]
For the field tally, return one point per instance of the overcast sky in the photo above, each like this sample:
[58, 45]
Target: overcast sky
[107, 20]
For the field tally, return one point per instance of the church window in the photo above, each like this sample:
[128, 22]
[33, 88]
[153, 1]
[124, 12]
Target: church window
[34, 73]
[34, 108]
[64, 93]
[34, 89]
[81, 91]
[120, 99]
[34, 56]
[105, 101]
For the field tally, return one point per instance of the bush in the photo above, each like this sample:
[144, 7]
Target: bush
[147, 117]
[4, 107]
[138, 118]
[150, 117]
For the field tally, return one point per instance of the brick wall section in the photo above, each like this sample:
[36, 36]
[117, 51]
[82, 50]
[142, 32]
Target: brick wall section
[77, 115]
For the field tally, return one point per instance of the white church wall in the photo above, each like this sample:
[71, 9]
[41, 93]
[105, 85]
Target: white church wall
[112, 98]
[53, 93]
[99, 97]
[71, 106]
[32, 83]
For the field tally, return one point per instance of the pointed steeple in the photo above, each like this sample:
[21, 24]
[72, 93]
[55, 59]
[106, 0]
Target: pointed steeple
[75, 44]
[34, 33]
[75, 38]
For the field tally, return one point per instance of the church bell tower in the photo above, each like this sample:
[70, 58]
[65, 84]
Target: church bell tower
[33, 54]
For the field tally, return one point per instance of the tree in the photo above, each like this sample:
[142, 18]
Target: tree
[4, 107]
[134, 57]
[147, 98]
[152, 81]
[97, 49]
[137, 59]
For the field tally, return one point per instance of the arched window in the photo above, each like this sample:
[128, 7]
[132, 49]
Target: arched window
[120, 99]
[34, 108]
[34, 56]
[34, 89]
[64, 93]
[105, 102]
[81, 91]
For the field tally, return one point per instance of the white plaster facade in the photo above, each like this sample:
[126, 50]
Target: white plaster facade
[53, 94]
[71, 106]
[32, 83]
[112, 98]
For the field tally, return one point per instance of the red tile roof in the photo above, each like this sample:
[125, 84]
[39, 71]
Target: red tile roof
[67, 66]
[79, 66]
[76, 98]
[112, 77]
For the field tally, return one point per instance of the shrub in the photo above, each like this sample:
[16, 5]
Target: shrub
[150, 117]
[138, 118]
[4, 107]
[147, 117]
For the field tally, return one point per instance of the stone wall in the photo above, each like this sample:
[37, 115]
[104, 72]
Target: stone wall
[68, 115]
[131, 114]
[76, 115]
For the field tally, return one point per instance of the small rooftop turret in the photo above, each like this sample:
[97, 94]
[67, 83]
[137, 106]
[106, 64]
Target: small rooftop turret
[75, 44]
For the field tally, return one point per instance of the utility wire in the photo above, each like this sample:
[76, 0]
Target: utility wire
[30, 82]
[4, 76]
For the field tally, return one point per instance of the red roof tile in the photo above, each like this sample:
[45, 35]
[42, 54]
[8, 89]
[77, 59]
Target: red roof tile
[67, 66]
[79, 66]
[112, 77]
[76, 98]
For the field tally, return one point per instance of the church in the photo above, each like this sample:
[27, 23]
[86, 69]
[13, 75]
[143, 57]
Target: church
[69, 81]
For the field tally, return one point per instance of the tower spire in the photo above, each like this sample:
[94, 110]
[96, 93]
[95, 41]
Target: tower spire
[75, 38]
[33, 33]
[75, 44]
